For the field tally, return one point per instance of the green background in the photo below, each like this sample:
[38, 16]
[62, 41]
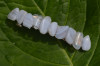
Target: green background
[20, 46]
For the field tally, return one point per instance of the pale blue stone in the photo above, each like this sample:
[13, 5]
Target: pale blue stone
[45, 25]
[53, 28]
[86, 45]
[28, 20]
[21, 16]
[70, 36]
[61, 32]
[13, 14]
[37, 19]
[77, 44]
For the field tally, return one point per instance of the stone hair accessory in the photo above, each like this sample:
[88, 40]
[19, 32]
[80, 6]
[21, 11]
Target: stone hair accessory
[44, 25]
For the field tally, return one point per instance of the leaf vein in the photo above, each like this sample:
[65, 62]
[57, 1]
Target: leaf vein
[93, 52]
[38, 8]
[45, 6]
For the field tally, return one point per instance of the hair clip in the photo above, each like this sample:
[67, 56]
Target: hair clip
[44, 25]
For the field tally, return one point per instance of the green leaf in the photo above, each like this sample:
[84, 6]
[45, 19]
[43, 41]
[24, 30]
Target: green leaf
[20, 46]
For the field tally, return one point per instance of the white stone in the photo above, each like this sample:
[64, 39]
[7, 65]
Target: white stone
[28, 20]
[13, 14]
[45, 25]
[21, 16]
[77, 44]
[35, 17]
[37, 20]
[70, 36]
[86, 45]
[53, 28]
[61, 32]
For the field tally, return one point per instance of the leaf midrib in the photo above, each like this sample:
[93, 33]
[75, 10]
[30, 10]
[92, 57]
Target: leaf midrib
[38, 8]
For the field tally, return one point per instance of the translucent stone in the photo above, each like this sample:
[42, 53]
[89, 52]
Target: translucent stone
[21, 16]
[45, 25]
[78, 41]
[53, 28]
[61, 32]
[13, 14]
[37, 20]
[28, 20]
[70, 36]
[86, 45]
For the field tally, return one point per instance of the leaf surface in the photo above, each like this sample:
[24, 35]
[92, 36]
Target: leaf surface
[20, 46]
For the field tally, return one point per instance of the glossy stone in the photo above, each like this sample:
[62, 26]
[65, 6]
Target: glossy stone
[28, 20]
[78, 41]
[53, 28]
[13, 14]
[61, 32]
[21, 16]
[37, 20]
[45, 25]
[86, 45]
[70, 36]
